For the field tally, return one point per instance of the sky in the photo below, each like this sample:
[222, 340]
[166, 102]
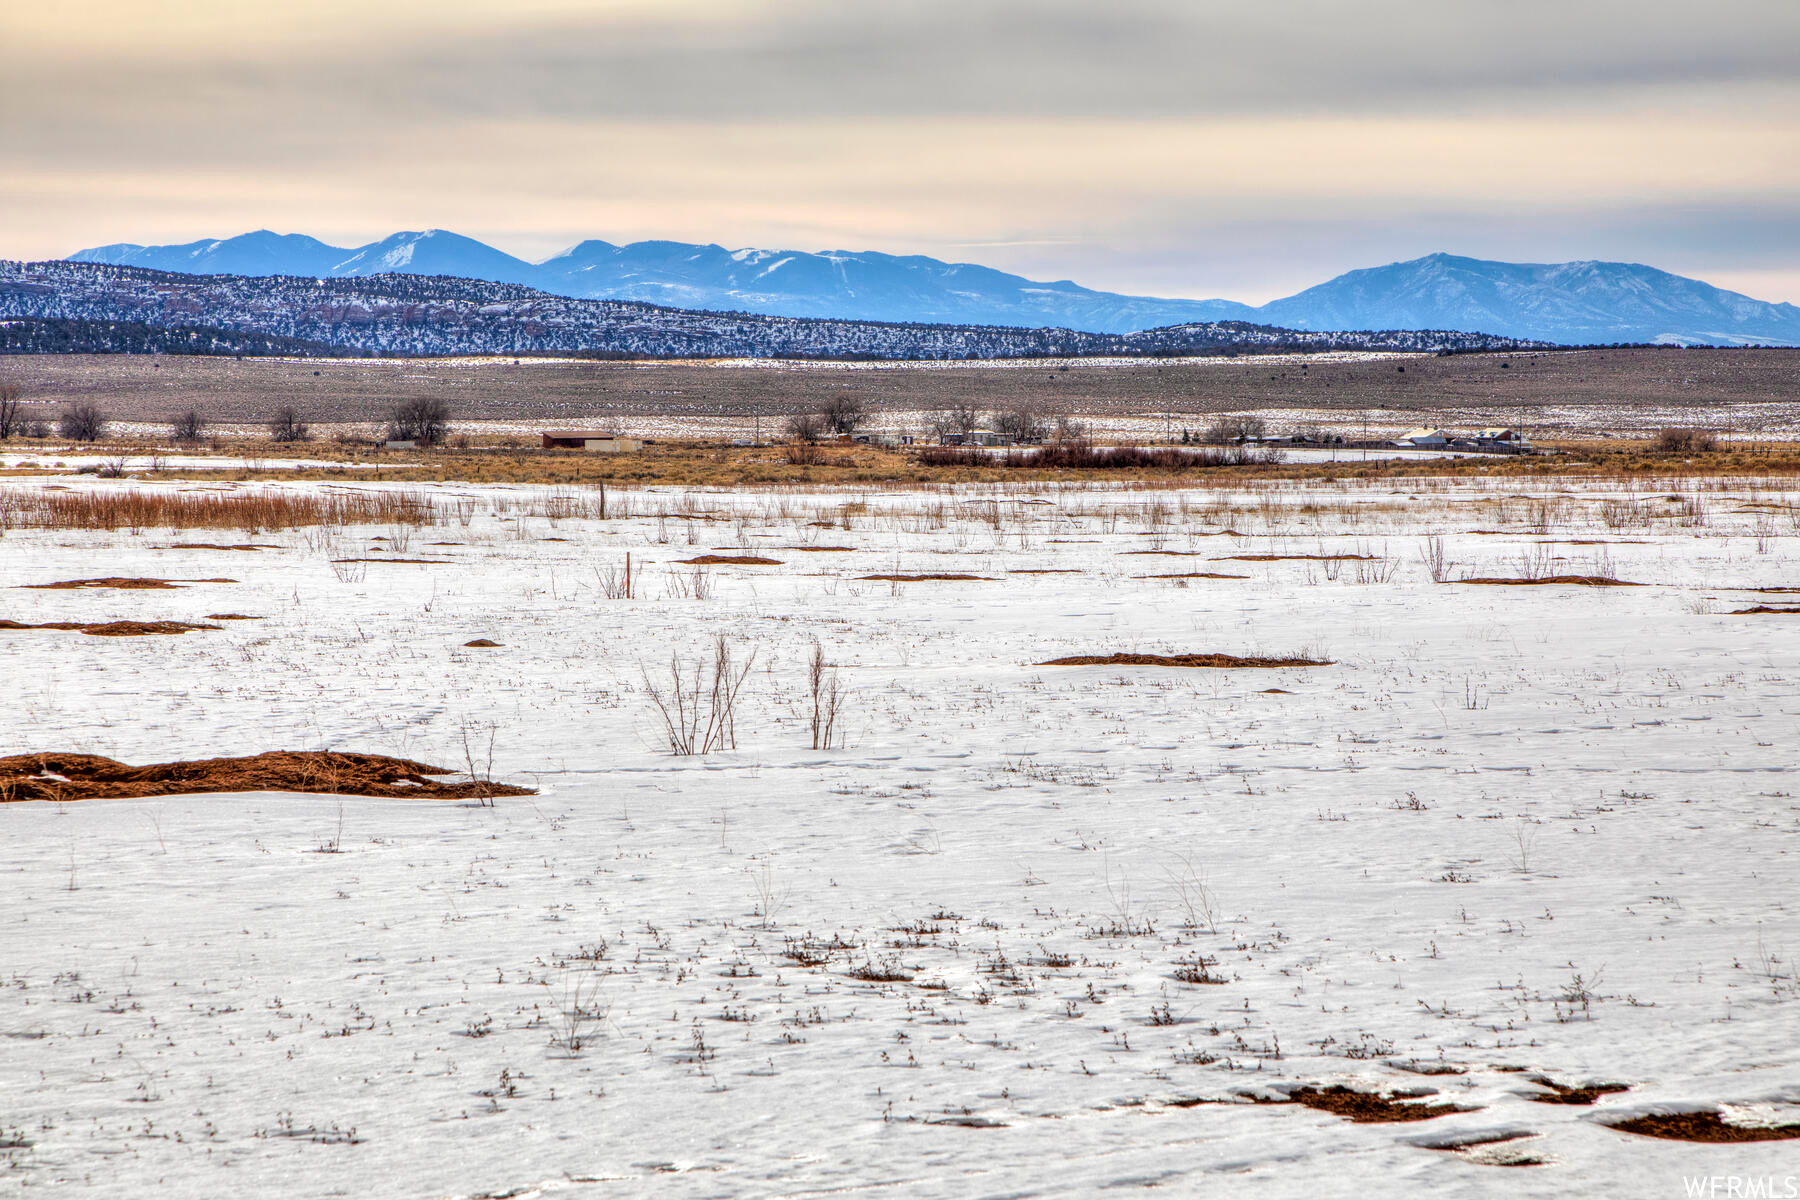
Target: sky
[1156, 147]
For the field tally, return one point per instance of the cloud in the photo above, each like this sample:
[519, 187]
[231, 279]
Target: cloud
[1126, 142]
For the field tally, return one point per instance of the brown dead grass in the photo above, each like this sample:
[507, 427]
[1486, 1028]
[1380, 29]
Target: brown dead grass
[246, 510]
[231, 617]
[1227, 661]
[1703, 1127]
[61, 777]
[1573, 580]
[730, 560]
[1366, 1108]
[114, 628]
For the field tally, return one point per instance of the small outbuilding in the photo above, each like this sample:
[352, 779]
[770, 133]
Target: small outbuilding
[1425, 438]
[593, 443]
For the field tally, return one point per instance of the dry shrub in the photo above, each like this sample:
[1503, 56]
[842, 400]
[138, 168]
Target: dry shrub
[1685, 441]
[1083, 456]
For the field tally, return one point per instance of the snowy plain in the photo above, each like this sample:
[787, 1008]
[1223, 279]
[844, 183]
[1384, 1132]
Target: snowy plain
[1508, 831]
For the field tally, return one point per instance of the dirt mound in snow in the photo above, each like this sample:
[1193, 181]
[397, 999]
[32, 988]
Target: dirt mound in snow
[1762, 608]
[1295, 558]
[114, 628]
[57, 776]
[1704, 1127]
[1365, 1108]
[921, 578]
[482, 642]
[1179, 660]
[730, 560]
[118, 582]
[1560, 1093]
[1193, 575]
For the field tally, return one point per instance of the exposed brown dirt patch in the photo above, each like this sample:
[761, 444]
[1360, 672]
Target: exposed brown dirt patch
[1769, 591]
[921, 578]
[218, 546]
[113, 628]
[1762, 608]
[231, 617]
[1366, 1108]
[60, 777]
[421, 561]
[1559, 1093]
[731, 560]
[481, 642]
[1704, 1127]
[1178, 660]
[1045, 571]
[116, 581]
[1574, 580]
[1295, 558]
[821, 549]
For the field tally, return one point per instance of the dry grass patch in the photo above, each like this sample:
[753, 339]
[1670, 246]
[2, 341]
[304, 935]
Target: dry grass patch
[1572, 580]
[730, 560]
[114, 628]
[247, 510]
[62, 777]
[1228, 661]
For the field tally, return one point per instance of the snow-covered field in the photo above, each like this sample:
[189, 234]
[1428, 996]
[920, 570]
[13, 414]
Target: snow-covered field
[1507, 832]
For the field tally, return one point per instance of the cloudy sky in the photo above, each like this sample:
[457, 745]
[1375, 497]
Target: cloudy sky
[1166, 147]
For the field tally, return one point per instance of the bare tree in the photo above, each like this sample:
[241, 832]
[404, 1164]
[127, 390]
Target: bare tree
[1021, 424]
[960, 417]
[423, 419]
[286, 426]
[804, 427]
[12, 412]
[82, 423]
[1235, 428]
[843, 414]
[188, 427]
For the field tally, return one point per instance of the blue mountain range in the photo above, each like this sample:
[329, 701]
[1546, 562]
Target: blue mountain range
[1572, 303]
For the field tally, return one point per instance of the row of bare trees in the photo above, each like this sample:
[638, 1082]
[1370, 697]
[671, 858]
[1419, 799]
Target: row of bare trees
[424, 420]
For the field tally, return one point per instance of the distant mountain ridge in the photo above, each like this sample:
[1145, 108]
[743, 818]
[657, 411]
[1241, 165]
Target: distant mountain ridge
[66, 306]
[1569, 303]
